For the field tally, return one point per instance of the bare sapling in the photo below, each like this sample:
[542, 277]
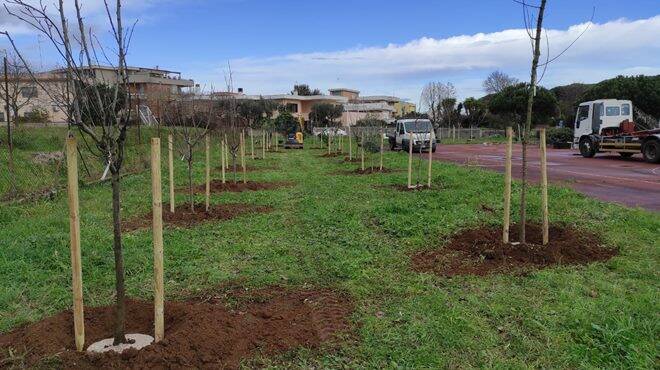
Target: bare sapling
[350, 144]
[410, 159]
[382, 149]
[189, 120]
[251, 144]
[431, 139]
[207, 172]
[243, 157]
[99, 107]
[362, 147]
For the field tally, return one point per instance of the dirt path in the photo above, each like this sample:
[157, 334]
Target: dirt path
[631, 182]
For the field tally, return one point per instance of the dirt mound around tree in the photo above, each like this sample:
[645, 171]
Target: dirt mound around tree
[201, 333]
[229, 186]
[372, 170]
[248, 168]
[184, 217]
[481, 251]
[330, 155]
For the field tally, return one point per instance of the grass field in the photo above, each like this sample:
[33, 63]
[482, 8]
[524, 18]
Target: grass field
[353, 234]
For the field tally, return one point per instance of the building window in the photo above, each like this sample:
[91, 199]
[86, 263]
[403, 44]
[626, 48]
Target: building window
[292, 108]
[29, 91]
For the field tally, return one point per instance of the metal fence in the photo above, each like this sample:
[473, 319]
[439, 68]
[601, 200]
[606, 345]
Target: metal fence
[36, 167]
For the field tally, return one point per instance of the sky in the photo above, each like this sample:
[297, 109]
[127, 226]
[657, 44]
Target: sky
[379, 47]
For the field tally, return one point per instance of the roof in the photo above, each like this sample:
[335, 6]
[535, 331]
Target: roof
[368, 107]
[344, 89]
[112, 68]
[386, 98]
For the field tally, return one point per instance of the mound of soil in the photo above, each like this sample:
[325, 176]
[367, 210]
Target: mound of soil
[330, 155]
[481, 251]
[249, 168]
[184, 217]
[354, 160]
[218, 187]
[419, 187]
[370, 170]
[198, 333]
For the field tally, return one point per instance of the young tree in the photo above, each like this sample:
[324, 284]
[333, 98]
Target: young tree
[81, 52]
[475, 111]
[498, 81]
[433, 94]
[189, 119]
[528, 119]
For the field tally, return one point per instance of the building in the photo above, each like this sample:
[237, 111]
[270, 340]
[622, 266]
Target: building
[147, 86]
[403, 108]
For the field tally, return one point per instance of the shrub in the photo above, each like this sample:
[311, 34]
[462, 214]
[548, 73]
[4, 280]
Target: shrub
[557, 135]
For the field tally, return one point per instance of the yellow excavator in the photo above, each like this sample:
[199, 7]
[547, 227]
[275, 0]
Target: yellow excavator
[295, 140]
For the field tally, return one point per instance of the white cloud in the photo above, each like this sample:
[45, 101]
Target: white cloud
[605, 50]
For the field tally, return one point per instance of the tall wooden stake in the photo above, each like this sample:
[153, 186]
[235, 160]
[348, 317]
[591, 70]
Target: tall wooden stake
[157, 211]
[263, 144]
[327, 131]
[381, 150]
[362, 152]
[223, 160]
[431, 138]
[207, 148]
[251, 144]
[410, 150]
[74, 232]
[242, 143]
[507, 185]
[170, 164]
[544, 188]
[10, 140]
[276, 142]
[350, 144]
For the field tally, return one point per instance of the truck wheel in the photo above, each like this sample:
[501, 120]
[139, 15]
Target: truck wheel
[625, 154]
[587, 147]
[651, 151]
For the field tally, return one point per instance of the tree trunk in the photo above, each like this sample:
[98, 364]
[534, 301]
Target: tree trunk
[528, 123]
[120, 306]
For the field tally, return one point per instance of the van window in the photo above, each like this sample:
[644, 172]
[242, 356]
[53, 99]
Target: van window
[612, 111]
[625, 109]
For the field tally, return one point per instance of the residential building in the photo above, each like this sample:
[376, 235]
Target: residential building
[403, 108]
[148, 87]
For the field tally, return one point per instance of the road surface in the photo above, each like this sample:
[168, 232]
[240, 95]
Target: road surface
[631, 182]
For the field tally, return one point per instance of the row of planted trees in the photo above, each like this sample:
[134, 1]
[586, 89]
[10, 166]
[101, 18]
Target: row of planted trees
[99, 108]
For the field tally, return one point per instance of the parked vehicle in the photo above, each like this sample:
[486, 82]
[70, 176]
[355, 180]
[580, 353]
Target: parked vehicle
[607, 126]
[420, 131]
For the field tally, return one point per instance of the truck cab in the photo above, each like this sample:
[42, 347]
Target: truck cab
[601, 117]
[607, 125]
[420, 131]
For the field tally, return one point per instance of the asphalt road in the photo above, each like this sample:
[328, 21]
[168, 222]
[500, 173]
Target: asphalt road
[631, 182]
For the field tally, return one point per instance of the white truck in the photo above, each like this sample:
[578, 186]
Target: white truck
[421, 132]
[607, 126]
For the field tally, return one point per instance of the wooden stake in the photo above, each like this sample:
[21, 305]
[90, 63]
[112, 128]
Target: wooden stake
[170, 163]
[242, 144]
[431, 139]
[327, 132]
[381, 150]
[74, 233]
[263, 144]
[362, 152]
[223, 160]
[207, 148]
[507, 185]
[410, 150]
[544, 188]
[157, 211]
[350, 144]
[251, 144]
[276, 143]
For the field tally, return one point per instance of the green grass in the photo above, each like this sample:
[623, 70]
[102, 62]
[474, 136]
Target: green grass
[353, 234]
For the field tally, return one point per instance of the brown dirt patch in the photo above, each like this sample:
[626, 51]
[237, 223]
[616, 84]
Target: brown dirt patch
[354, 160]
[218, 187]
[330, 155]
[184, 217]
[405, 187]
[372, 170]
[249, 169]
[481, 252]
[198, 333]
